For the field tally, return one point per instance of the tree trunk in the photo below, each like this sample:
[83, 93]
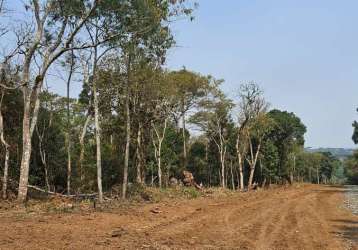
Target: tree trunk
[253, 162]
[6, 173]
[7, 152]
[241, 174]
[159, 165]
[232, 176]
[68, 132]
[264, 182]
[128, 131]
[97, 126]
[184, 142]
[44, 163]
[152, 179]
[98, 144]
[43, 155]
[240, 155]
[26, 151]
[251, 177]
[139, 154]
[82, 147]
[69, 165]
[158, 148]
[28, 126]
[222, 160]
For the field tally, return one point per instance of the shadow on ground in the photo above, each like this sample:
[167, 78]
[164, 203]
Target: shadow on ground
[348, 229]
[338, 189]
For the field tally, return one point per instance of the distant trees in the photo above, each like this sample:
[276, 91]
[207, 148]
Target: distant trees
[321, 167]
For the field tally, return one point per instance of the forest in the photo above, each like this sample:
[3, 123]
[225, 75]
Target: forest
[135, 121]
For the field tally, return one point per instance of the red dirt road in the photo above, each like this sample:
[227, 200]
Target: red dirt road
[308, 217]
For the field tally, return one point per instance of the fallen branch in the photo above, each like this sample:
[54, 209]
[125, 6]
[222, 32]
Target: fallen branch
[63, 195]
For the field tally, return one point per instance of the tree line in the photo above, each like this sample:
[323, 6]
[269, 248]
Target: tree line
[351, 162]
[134, 121]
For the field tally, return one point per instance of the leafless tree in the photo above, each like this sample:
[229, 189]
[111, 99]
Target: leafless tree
[41, 52]
[251, 105]
[164, 106]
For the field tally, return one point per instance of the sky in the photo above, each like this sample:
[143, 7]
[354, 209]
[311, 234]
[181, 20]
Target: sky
[303, 53]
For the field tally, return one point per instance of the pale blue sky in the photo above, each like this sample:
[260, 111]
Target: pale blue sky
[303, 53]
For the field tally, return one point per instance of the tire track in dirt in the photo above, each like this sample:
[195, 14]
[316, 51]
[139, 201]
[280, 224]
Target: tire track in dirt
[233, 224]
[305, 217]
[271, 234]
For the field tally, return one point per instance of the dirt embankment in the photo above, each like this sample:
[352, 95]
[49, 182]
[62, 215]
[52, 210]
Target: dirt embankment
[308, 217]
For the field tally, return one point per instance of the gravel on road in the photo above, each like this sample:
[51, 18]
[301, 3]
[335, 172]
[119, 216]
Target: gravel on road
[352, 198]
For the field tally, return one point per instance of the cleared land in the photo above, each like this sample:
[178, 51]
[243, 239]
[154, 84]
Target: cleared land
[306, 217]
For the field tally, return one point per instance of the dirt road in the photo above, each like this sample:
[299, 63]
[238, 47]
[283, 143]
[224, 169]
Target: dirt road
[309, 217]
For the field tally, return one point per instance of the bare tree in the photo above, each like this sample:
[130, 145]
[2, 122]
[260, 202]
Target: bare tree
[49, 52]
[213, 118]
[157, 143]
[164, 106]
[221, 144]
[251, 106]
[258, 131]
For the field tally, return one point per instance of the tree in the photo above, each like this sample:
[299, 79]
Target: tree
[258, 131]
[351, 168]
[251, 110]
[54, 17]
[163, 107]
[213, 118]
[7, 75]
[288, 132]
[70, 62]
[190, 87]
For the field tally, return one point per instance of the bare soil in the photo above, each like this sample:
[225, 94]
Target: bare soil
[306, 217]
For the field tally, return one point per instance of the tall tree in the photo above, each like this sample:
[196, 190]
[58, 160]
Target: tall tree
[213, 118]
[259, 129]
[55, 17]
[251, 106]
[287, 133]
[190, 88]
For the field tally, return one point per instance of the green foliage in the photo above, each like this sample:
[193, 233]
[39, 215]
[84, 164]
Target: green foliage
[287, 134]
[351, 168]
